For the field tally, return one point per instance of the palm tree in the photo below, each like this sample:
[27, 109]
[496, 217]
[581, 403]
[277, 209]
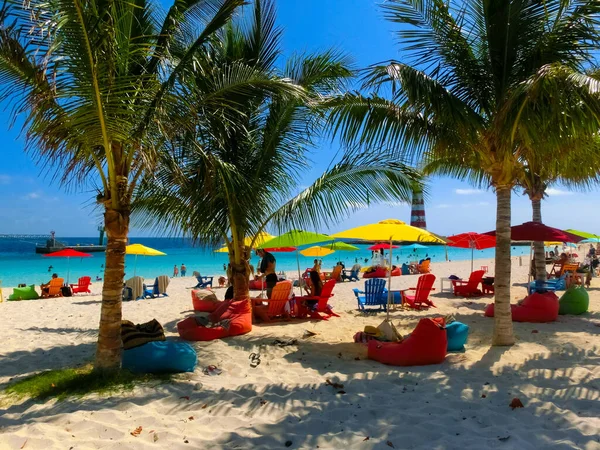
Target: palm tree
[239, 172]
[489, 81]
[95, 82]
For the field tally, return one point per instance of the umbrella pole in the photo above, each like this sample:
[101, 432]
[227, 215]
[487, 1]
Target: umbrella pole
[299, 277]
[389, 296]
[471, 259]
[68, 269]
[530, 258]
[135, 266]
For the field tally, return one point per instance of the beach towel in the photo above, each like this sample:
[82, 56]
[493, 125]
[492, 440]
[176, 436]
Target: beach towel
[135, 335]
[163, 282]
[136, 284]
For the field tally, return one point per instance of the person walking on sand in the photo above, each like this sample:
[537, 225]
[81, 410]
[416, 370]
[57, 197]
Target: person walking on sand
[175, 271]
[183, 270]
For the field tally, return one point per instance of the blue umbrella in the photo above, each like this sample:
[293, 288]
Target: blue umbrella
[588, 241]
[416, 246]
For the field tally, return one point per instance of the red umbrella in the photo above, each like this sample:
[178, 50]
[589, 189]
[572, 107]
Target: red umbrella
[68, 253]
[473, 241]
[280, 249]
[535, 231]
[382, 246]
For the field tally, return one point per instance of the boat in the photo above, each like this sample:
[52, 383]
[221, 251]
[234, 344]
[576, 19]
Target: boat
[52, 245]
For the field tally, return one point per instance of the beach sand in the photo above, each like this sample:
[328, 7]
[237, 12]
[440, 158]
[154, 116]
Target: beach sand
[554, 369]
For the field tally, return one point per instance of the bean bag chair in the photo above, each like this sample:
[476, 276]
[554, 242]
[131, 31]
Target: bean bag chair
[535, 308]
[457, 333]
[160, 357]
[204, 300]
[380, 272]
[396, 272]
[427, 344]
[575, 300]
[256, 285]
[24, 293]
[236, 318]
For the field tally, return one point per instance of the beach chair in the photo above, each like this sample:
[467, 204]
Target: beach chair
[374, 294]
[335, 274]
[158, 288]
[469, 288]
[421, 296]
[204, 282]
[352, 277]
[276, 305]
[54, 289]
[322, 305]
[424, 267]
[83, 285]
[555, 284]
[134, 289]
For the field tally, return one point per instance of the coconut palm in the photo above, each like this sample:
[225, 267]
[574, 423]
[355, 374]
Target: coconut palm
[94, 82]
[239, 172]
[484, 80]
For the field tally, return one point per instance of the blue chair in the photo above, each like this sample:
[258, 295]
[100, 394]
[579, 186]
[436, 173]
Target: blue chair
[557, 284]
[155, 290]
[204, 282]
[374, 294]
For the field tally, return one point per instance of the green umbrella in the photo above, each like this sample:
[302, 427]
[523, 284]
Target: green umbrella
[583, 234]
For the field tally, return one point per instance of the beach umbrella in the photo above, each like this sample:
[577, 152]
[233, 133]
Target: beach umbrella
[139, 249]
[584, 234]
[68, 253]
[324, 250]
[260, 239]
[416, 246]
[389, 230]
[473, 241]
[589, 241]
[382, 246]
[536, 231]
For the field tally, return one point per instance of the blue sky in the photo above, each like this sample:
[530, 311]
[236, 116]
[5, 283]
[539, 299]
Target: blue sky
[31, 203]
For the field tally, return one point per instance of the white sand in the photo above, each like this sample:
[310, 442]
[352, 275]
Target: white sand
[460, 404]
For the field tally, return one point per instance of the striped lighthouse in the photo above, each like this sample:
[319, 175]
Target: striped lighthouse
[417, 214]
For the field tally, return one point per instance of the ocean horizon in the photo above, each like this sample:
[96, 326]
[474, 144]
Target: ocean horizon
[20, 264]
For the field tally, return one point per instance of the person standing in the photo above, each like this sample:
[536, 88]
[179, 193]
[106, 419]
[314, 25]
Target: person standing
[183, 270]
[175, 271]
[267, 268]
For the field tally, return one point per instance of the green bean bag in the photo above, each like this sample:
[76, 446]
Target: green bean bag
[24, 293]
[574, 301]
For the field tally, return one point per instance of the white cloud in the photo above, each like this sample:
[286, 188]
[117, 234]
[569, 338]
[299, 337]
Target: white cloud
[556, 192]
[443, 205]
[5, 179]
[32, 196]
[483, 204]
[468, 191]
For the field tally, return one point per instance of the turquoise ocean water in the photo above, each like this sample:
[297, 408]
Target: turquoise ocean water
[20, 264]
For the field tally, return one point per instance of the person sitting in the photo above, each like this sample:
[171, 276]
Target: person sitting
[45, 287]
[314, 290]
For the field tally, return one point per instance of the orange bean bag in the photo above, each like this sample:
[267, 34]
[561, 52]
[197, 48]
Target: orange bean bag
[536, 308]
[238, 313]
[427, 344]
[203, 301]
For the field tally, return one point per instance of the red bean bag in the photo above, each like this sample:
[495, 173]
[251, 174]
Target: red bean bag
[427, 344]
[380, 272]
[238, 313]
[257, 285]
[536, 308]
[204, 303]
[396, 272]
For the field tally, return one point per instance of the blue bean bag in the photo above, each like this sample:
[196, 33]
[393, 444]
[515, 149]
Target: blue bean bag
[160, 357]
[457, 333]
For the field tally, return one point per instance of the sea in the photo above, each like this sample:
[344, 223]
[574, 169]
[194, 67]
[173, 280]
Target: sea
[20, 264]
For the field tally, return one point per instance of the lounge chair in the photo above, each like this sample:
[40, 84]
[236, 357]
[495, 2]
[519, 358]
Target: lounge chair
[421, 297]
[54, 288]
[204, 282]
[335, 274]
[469, 288]
[83, 285]
[322, 305]
[158, 288]
[134, 289]
[424, 267]
[374, 294]
[352, 277]
[276, 305]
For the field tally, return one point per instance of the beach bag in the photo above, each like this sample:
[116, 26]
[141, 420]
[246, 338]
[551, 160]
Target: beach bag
[389, 331]
[66, 291]
[135, 335]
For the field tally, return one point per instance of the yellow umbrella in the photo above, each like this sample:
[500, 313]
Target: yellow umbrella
[389, 230]
[139, 249]
[551, 243]
[261, 238]
[317, 251]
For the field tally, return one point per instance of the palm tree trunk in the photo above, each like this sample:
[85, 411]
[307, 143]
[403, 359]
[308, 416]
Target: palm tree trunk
[108, 351]
[240, 273]
[538, 246]
[503, 327]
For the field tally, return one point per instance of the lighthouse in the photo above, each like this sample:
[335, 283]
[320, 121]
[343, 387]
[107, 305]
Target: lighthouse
[417, 214]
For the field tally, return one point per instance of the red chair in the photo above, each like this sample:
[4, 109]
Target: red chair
[421, 297]
[322, 306]
[280, 296]
[83, 285]
[469, 288]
